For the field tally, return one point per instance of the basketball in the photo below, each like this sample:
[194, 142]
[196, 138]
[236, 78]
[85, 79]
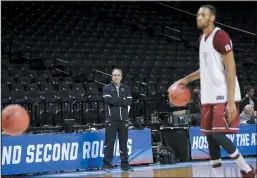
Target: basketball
[179, 95]
[15, 120]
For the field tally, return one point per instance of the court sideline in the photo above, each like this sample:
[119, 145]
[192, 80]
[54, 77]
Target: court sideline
[188, 169]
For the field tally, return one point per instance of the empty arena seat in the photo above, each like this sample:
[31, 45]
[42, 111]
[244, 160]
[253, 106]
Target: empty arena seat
[121, 35]
[92, 88]
[89, 117]
[102, 116]
[78, 87]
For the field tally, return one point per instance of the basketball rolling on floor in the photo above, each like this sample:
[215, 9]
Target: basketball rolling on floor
[189, 169]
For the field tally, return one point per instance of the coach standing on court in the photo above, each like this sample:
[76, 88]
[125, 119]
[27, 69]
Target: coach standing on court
[117, 99]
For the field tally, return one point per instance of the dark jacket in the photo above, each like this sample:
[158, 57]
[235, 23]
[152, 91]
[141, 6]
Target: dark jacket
[116, 103]
[245, 101]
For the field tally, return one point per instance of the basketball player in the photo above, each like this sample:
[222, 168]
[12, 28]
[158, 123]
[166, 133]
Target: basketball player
[219, 91]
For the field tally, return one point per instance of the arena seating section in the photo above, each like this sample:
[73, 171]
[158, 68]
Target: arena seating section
[50, 52]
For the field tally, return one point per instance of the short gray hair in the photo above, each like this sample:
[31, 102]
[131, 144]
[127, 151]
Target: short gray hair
[117, 70]
[248, 107]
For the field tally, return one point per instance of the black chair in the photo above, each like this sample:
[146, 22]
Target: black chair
[102, 116]
[90, 117]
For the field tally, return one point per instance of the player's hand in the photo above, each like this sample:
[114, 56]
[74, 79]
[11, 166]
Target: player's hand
[183, 81]
[231, 111]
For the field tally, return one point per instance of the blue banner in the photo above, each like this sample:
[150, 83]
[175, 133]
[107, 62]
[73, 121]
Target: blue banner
[245, 141]
[52, 152]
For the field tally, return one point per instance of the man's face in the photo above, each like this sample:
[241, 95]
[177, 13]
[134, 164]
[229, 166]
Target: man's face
[204, 18]
[116, 76]
[251, 92]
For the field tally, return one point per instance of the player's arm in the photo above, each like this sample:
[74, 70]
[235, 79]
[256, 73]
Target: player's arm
[193, 76]
[128, 99]
[109, 99]
[229, 63]
[223, 45]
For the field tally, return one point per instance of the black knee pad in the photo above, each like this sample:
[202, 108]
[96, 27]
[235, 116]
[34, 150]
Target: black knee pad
[214, 148]
[218, 136]
[224, 141]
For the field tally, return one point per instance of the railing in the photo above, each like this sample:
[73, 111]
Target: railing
[59, 67]
[222, 24]
[253, 34]
[55, 112]
[20, 45]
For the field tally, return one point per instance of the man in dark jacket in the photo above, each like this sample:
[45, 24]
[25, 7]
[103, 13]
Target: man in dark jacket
[249, 99]
[194, 106]
[117, 99]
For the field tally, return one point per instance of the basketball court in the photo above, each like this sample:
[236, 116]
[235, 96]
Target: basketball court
[189, 169]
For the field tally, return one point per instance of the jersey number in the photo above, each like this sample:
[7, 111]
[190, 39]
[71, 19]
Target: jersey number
[205, 59]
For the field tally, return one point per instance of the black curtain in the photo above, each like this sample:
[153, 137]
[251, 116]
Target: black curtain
[178, 140]
[255, 31]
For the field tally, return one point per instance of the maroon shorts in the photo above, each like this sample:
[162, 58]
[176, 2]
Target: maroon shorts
[213, 119]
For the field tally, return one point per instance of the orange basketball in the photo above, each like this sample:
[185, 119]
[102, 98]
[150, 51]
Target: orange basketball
[15, 120]
[179, 95]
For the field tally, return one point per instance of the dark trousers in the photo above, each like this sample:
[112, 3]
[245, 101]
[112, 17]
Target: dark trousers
[111, 128]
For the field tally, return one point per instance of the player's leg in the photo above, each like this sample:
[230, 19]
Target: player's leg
[214, 148]
[220, 128]
[110, 136]
[215, 156]
[233, 152]
[123, 139]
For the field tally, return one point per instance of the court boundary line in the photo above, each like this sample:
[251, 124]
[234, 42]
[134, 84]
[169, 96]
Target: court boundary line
[138, 168]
